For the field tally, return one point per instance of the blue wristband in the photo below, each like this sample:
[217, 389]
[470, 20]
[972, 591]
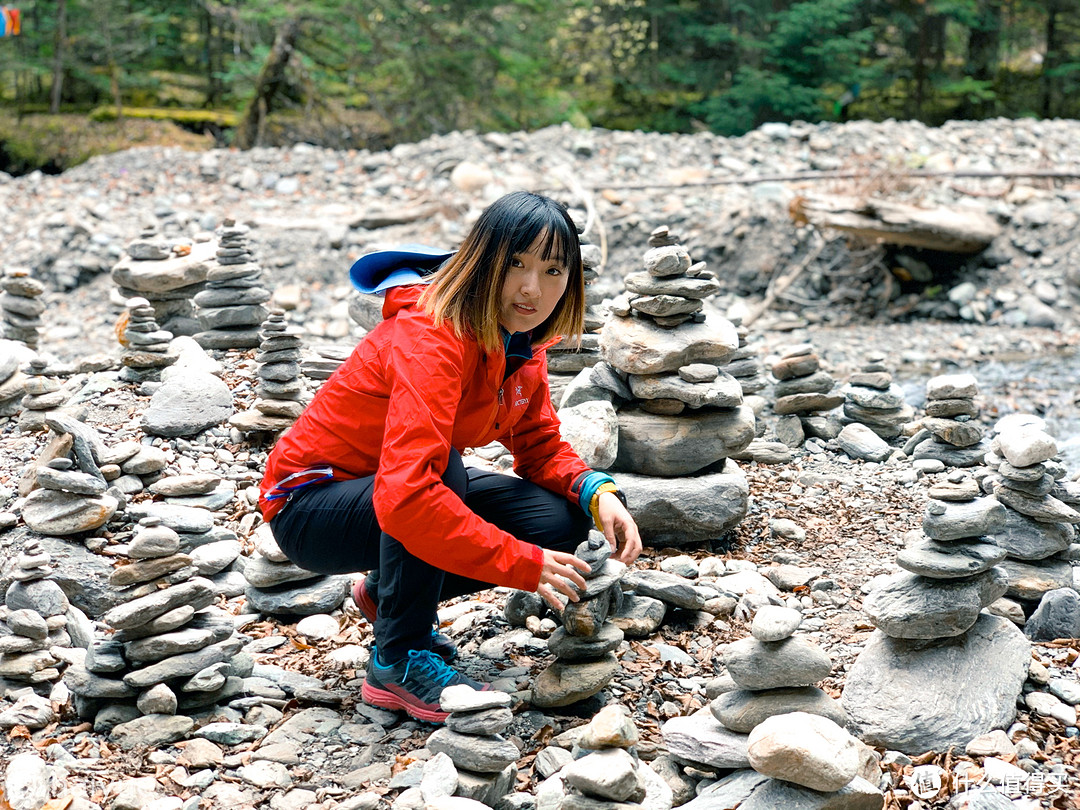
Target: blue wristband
[589, 485]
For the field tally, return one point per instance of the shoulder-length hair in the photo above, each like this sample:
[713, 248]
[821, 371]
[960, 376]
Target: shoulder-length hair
[467, 289]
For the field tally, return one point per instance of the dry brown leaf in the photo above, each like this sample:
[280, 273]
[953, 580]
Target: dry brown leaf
[58, 804]
[19, 733]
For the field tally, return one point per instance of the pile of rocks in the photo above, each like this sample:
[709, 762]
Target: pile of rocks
[484, 761]
[168, 276]
[745, 365]
[21, 306]
[773, 673]
[584, 646]
[1040, 513]
[277, 587]
[35, 623]
[948, 431]
[171, 650]
[604, 769]
[43, 394]
[324, 362]
[12, 379]
[803, 393]
[280, 390]
[871, 398]
[231, 309]
[933, 645]
[565, 359]
[146, 345]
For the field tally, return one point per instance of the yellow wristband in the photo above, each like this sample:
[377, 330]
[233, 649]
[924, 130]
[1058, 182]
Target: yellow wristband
[594, 504]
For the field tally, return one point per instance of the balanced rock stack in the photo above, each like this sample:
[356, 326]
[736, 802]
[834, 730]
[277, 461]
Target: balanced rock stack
[280, 390]
[34, 615]
[803, 392]
[146, 345]
[949, 432]
[278, 587]
[485, 761]
[930, 623]
[231, 309]
[774, 673]
[1040, 512]
[171, 651]
[745, 365]
[873, 399]
[606, 771]
[22, 306]
[43, 394]
[584, 646]
[167, 276]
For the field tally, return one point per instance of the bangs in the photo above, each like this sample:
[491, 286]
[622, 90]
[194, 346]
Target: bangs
[557, 239]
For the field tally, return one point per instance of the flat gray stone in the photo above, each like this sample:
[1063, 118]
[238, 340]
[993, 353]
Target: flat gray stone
[1057, 616]
[301, 599]
[188, 404]
[669, 446]
[49, 511]
[793, 662]
[700, 738]
[639, 346]
[1030, 580]
[956, 520]
[723, 391]
[480, 754]
[953, 560]
[913, 607]
[742, 709]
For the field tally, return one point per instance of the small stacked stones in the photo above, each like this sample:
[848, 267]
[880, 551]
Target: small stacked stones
[486, 762]
[146, 345]
[171, 652]
[12, 380]
[874, 400]
[584, 646]
[280, 389]
[949, 432]
[803, 392]
[34, 614]
[661, 356]
[1040, 512]
[325, 363]
[276, 586]
[774, 673]
[565, 359]
[930, 620]
[745, 364]
[21, 306]
[231, 309]
[43, 394]
[166, 276]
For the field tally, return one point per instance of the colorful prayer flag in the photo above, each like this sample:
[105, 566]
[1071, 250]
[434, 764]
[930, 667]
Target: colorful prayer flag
[10, 22]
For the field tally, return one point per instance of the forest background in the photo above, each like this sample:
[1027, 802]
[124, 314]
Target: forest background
[86, 76]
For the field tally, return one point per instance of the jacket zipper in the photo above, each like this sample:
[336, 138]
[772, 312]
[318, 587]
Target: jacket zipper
[500, 409]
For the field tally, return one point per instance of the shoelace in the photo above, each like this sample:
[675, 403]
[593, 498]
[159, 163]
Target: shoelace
[427, 660]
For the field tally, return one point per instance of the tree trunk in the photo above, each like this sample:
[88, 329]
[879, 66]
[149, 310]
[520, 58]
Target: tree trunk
[984, 42]
[271, 78]
[58, 57]
[1050, 61]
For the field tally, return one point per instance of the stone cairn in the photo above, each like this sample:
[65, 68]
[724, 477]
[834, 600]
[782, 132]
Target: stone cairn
[280, 390]
[929, 622]
[277, 587]
[12, 379]
[774, 673]
[804, 391]
[584, 646]
[873, 399]
[146, 345]
[485, 761]
[167, 276]
[745, 365]
[948, 432]
[1040, 512]
[604, 770]
[565, 360]
[22, 306]
[43, 395]
[231, 309]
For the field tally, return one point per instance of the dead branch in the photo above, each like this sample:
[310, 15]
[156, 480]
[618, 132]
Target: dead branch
[780, 284]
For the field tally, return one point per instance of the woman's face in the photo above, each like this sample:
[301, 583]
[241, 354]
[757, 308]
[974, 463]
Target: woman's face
[532, 289]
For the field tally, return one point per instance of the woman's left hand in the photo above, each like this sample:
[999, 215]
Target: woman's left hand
[619, 528]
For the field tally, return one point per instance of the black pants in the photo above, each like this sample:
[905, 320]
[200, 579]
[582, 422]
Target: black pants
[332, 529]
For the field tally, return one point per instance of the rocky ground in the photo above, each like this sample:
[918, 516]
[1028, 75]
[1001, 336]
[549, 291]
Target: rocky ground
[1008, 316]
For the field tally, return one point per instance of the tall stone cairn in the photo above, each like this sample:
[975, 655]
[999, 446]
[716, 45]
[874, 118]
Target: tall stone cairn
[871, 398]
[584, 646]
[1040, 508]
[146, 345]
[280, 390]
[804, 392]
[21, 306]
[949, 432]
[934, 646]
[485, 760]
[231, 309]
[43, 394]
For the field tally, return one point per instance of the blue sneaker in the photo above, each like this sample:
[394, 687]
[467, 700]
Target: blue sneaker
[441, 644]
[413, 684]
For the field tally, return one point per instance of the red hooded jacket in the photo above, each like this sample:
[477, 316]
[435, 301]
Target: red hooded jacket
[409, 392]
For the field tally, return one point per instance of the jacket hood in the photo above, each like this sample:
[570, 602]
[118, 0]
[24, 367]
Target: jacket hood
[399, 298]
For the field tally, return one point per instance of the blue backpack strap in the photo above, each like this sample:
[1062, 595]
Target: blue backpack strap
[407, 264]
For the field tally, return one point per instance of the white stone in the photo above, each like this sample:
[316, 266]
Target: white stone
[806, 749]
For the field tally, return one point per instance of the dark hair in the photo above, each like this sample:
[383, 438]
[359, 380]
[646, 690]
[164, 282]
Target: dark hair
[467, 288]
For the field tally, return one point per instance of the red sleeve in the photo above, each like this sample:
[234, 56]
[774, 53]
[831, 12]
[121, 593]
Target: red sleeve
[425, 371]
[540, 454]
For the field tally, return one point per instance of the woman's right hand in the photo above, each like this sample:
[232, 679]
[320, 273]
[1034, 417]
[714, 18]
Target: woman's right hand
[560, 569]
